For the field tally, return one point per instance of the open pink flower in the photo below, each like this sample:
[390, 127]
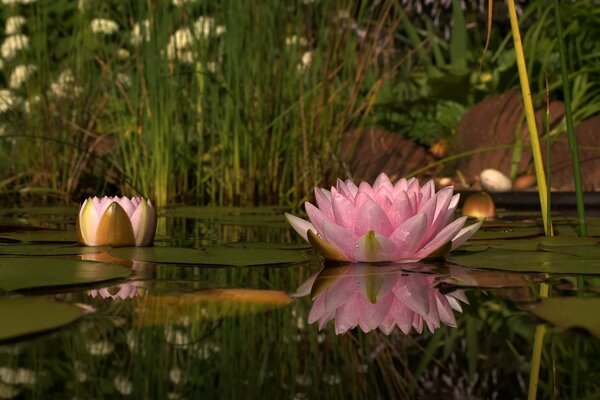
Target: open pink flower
[401, 222]
[116, 221]
[379, 297]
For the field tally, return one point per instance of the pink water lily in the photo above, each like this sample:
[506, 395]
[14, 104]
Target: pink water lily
[116, 221]
[401, 222]
[358, 295]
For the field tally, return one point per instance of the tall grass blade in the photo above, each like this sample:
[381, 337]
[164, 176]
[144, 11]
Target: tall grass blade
[569, 119]
[529, 113]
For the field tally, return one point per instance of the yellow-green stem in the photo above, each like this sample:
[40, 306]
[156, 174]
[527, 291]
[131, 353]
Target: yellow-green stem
[529, 113]
[536, 357]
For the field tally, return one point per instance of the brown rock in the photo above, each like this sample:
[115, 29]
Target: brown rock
[368, 152]
[495, 122]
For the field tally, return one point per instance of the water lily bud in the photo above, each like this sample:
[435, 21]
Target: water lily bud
[479, 205]
[116, 221]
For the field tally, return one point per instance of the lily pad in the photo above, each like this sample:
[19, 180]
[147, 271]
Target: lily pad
[23, 316]
[47, 250]
[586, 252]
[269, 245]
[530, 243]
[526, 261]
[207, 304]
[506, 233]
[18, 273]
[215, 256]
[45, 236]
[466, 277]
[571, 312]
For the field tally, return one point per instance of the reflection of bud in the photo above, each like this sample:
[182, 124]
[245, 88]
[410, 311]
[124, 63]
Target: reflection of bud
[118, 292]
[380, 297]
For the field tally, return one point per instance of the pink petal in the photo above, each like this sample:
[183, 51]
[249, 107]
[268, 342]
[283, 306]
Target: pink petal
[409, 235]
[371, 217]
[400, 186]
[339, 292]
[427, 190]
[367, 189]
[444, 310]
[465, 234]
[340, 238]
[400, 210]
[127, 205]
[316, 217]
[382, 181]
[374, 247]
[323, 198]
[344, 211]
[305, 288]
[343, 188]
[374, 314]
[444, 236]
[300, 225]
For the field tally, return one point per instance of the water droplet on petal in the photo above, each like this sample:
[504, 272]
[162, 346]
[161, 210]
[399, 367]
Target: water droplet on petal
[356, 245]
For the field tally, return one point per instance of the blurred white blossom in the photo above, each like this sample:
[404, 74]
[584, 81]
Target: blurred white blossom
[181, 3]
[12, 45]
[104, 26]
[30, 102]
[176, 375]
[140, 32]
[20, 75]
[17, 376]
[203, 27]
[123, 385]
[179, 42]
[14, 24]
[305, 61]
[65, 85]
[100, 348]
[125, 81]
[296, 40]
[7, 100]
[123, 54]
[8, 391]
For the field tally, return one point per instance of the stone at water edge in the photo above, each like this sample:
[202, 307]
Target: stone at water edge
[494, 181]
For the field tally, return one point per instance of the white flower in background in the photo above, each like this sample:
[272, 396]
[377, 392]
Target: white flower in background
[123, 385]
[12, 45]
[104, 26]
[14, 24]
[100, 348]
[65, 85]
[20, 75]
[220, 29]
[123, 80]
[176, 375]
[203, 26]
[305, 62]
[186, 57]
[182, 38]
[8, 391]
[31, 102]
[140, 32]
[296, 40]
[181, 3]
[7, 100]
[12, 2]
[18, 376]
[178, 46]
[211, 67]
[123, 54]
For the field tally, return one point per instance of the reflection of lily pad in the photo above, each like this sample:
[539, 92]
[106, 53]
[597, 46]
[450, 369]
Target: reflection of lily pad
[526, 261]
[217, 256]
[571, 312]
[489, 279]
[34, 272]
[208, 304]
[47, 250]
[45, 236]
[28, 315]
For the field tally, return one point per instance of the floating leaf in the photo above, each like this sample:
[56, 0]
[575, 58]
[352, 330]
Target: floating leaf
[530, 243]
[507, 233]
[207, 304]
[586, 252]
[47, 250]
[217, 256]
[526, 261]
[489, 279]
[570, 312]
[34, 272]
[23, 316]
[269, 245]
[44, 236]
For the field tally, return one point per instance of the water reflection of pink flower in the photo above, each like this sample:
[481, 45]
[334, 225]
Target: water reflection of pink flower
[379, 297]
[117, 292]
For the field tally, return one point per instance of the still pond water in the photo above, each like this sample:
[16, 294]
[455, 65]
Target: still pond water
[279, 324]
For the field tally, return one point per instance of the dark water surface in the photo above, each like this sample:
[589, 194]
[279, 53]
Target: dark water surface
[388, 331]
